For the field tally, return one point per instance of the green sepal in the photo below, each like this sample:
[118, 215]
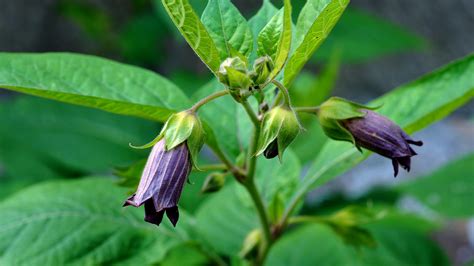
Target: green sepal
[214, 182]
[280, 123]
[235, 65]
[238, 79]
[155, 140]
[333, 111]
[179, 128]
[262, 68]
[196, 140]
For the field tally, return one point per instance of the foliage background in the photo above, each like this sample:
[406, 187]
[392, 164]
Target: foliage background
[138, 32]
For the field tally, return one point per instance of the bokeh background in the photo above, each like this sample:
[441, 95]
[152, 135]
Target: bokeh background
[378, 46]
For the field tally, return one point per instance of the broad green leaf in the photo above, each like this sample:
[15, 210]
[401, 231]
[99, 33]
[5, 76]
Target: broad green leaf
[316, 21]
[195, 33]
[80, 223]
[396, 245]
[269, 36]
[360, 36]
[259, 20]
[93, 82]
[448, 190]
[412, 106]
[284, 43]
[228, 28]
[232, 211]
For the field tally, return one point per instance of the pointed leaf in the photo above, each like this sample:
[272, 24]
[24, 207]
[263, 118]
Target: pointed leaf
[93, 82]
[188, 23]
[284, 44]
[228, 28]
[316, 21]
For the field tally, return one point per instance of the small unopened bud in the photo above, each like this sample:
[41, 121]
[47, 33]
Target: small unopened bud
[262, 68]
[214, 182]
[345, 120]
[251, 243]
[233, 74]
[279, 128]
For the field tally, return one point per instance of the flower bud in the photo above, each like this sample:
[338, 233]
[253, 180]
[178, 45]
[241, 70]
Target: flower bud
[233, 73]
[345, 120]
[262, 68]
[214, 182]
[251, 243]
[278, 129]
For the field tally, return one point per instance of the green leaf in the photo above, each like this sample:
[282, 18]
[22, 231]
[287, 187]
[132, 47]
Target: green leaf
[397, 245]
[361, 36]
[284, 43]
[82, 223]
[412, 106]
[315, 22]
[270, 35]
[195, 33]
[93, 82]
[447, 190]
[232, 211]
[62, 140]
[228, 28]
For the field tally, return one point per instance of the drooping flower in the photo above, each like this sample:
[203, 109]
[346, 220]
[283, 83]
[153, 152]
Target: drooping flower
[162, 182]
[379, 134]
[168, 167]
[345, 120]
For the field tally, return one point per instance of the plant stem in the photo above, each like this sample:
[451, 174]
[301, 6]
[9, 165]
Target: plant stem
[305, 219]
[310, 109]
[236, 171]
[249, 184]
[283, 90]
[251, 113]
[212, 167]
[207, 99]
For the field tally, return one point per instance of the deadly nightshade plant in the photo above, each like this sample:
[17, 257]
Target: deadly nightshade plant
[223, 40]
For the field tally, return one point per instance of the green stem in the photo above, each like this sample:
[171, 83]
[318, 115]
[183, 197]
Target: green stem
[251, 113]
[310, 109]
[212, 167]
[249, 184]
[235, 170]
[284, 91]
[207, 99]
[305, 219]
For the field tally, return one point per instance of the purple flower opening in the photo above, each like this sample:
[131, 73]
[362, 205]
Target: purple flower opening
[379, 134]
[162, 182]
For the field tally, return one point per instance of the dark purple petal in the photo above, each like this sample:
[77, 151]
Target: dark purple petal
[173, 214]
[151, 215]
[162, 182]
[272, 150]
[379, 134]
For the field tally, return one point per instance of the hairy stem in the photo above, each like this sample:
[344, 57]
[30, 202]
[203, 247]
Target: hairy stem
[249, 184]
[208, 98]
[310, 109]
[284, 91]
[251, 113]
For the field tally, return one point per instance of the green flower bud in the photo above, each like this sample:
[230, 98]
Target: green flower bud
[214, 182]
[182, 127]
[233, 73]
[278, 129]
[251, 243]
[262, 67]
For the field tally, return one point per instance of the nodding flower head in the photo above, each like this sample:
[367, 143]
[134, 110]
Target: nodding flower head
[168, 167]
[162, 182]
[379, 134]
[345, 120]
